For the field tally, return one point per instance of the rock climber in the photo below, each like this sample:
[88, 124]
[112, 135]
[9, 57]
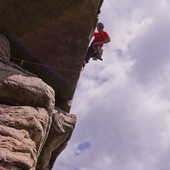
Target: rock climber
[95, 50]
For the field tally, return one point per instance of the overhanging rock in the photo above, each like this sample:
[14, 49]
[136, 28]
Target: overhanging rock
[54, 33]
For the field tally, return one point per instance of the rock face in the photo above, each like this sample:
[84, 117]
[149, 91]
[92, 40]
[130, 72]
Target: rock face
[62, 127]
[55, 33]
[23, 131]
[35, 125]
[32, 131]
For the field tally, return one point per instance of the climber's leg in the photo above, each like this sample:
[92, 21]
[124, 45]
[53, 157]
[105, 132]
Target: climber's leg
[89, 53]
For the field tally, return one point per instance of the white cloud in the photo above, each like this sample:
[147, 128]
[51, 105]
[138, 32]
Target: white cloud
[122, 103]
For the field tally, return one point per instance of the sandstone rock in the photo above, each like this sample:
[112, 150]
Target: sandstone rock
[33, 132]
[23, 131]
[26, 115]
[25, 136]
[60, 133]
[19, 87]
[25, 125]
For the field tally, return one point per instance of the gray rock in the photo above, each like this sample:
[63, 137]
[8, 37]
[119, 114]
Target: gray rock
[19, 88]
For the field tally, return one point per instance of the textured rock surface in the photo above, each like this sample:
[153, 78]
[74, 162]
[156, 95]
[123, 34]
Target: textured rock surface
[33, 132]
[4, 47]
[62, 127]
[53, 32]
[18, 87]
[23, 131]
[29, 124]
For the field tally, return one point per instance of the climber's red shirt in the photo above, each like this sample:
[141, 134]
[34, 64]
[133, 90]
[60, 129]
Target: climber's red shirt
[98, 37]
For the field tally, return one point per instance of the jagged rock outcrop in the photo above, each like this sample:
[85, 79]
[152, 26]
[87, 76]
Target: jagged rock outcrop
[62, 127]
[34, 124]
[31, 129]
[23, 131]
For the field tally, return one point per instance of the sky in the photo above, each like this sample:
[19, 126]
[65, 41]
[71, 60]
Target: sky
[122, 103]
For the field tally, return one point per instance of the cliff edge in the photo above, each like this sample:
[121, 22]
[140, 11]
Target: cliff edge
[35, 125]
[54, 33]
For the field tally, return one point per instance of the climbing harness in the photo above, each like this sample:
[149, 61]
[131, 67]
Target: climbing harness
[98, 52]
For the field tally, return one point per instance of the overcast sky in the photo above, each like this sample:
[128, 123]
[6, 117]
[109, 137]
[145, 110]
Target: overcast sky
[123, 102]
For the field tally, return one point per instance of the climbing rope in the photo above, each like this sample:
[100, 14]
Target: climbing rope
[43, 65]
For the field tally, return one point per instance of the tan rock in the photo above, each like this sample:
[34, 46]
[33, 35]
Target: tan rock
[19, 88]
[23, 131]
[56, 33]
[26, 115]
[61, 130]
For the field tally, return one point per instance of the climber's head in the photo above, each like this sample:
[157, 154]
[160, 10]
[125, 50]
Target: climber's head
[100, 24]
[100, 27]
